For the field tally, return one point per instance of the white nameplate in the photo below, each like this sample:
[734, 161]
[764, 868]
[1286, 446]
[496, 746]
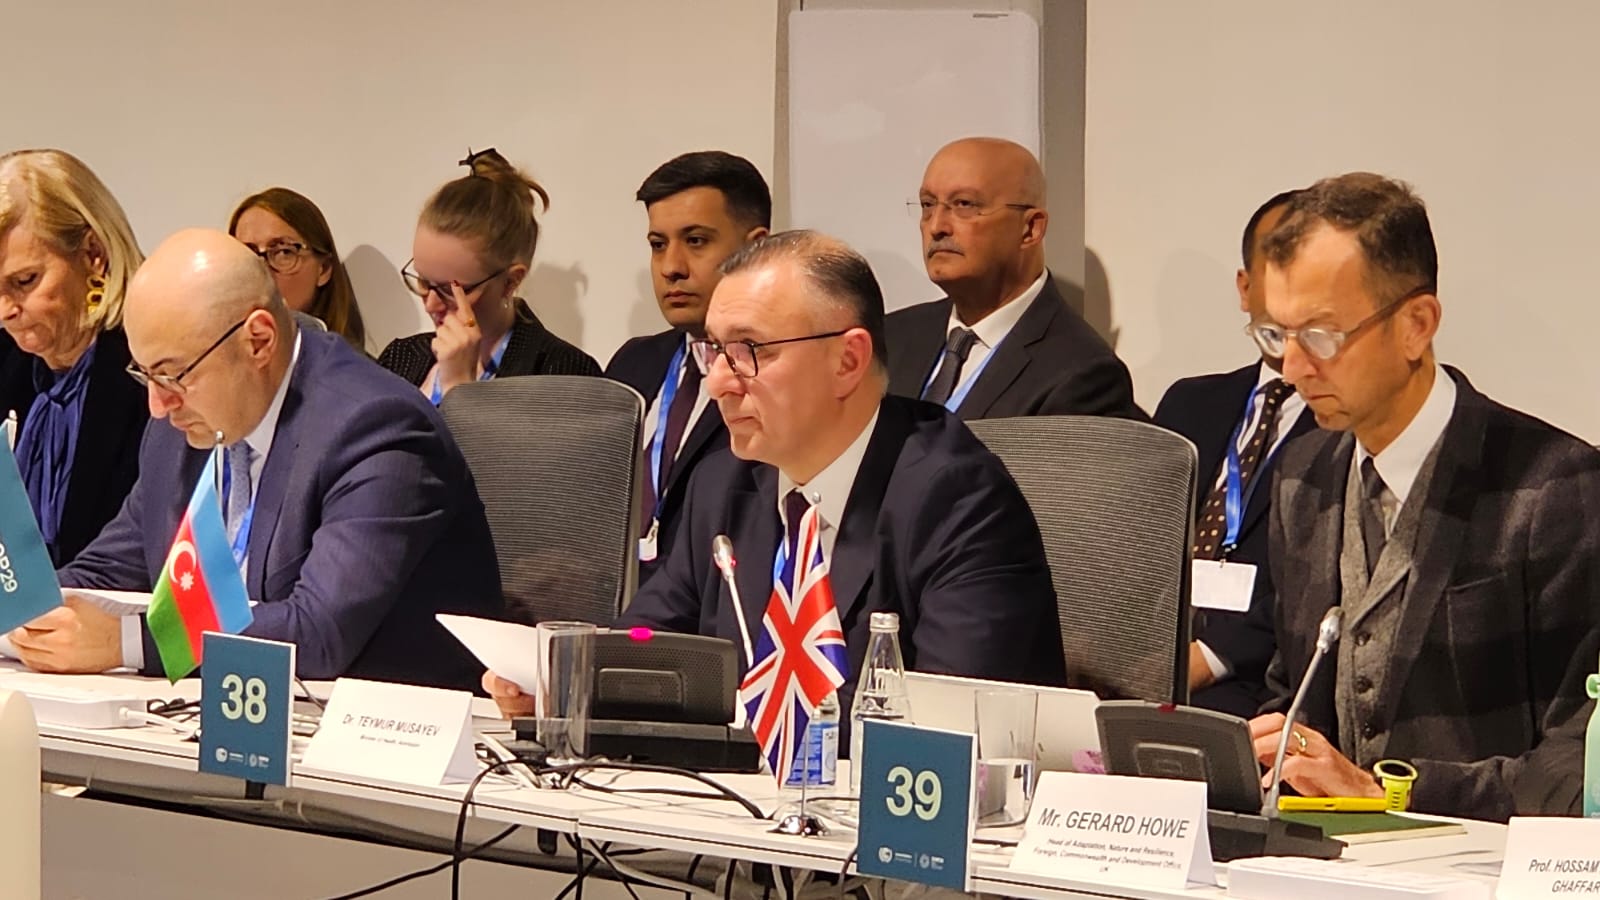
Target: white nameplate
[1114, 829]
[1551, 857]
[1221, 585]
[395, 732]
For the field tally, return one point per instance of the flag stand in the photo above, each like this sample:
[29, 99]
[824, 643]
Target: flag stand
[800, 823]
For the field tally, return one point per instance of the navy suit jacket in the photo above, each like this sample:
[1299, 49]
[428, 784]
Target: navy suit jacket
[1051, 363]
[934, 529]
[367, 522]
[1205, 409]
[642, 364]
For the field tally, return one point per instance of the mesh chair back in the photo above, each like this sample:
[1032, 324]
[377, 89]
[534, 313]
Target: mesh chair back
[1114, 500]
[555, 458]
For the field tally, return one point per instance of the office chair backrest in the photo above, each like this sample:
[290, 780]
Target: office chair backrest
[1114, 500]
[555, 458]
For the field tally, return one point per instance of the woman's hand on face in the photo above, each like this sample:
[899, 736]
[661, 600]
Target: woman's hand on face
[456, 342]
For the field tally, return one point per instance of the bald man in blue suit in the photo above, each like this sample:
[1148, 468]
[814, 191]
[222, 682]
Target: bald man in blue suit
[357, 520]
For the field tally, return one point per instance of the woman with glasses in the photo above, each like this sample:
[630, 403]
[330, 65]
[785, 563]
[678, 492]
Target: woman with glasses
[288, 231]
[473, 247]
[74, 419]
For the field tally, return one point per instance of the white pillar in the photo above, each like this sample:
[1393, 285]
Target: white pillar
[19, 797]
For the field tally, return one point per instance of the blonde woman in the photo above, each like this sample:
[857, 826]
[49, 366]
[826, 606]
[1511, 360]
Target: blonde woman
[66, 254]
[473, 247]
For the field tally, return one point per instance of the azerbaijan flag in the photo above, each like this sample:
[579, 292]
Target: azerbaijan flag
[200, 588]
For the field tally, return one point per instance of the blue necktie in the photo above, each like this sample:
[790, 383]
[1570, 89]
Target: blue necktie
[238, 454]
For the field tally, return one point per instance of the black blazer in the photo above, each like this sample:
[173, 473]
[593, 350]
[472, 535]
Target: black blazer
[1052, 363]
[641, 364]
[1484, 691]
[935, 530]
[532, 350]
[1205, 409]
[106, 462]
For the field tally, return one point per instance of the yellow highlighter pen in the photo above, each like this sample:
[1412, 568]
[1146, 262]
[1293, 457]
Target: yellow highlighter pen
[1332, 804]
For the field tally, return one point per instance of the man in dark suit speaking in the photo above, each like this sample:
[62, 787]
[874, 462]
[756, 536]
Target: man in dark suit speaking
[1456, 534]
[1003, 341]
[351, 511]
[915, 515]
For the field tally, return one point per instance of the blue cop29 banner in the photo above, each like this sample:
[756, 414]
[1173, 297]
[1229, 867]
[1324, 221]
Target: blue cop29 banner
[28, 586]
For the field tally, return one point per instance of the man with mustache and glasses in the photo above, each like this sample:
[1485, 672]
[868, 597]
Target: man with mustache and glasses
[1003, 341]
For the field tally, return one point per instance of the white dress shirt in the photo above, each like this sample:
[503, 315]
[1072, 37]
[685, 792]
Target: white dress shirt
[260, 441]
[990, 330]
[1399, 463]
[830, 489]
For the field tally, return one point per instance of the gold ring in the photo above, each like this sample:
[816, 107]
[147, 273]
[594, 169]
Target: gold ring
[1301, 739]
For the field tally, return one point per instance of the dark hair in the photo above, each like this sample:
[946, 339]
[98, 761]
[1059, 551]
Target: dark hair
[494, 207]
[836, 271]
[1247, 246]
[743, 189]
[1388, 220]
[335, 302]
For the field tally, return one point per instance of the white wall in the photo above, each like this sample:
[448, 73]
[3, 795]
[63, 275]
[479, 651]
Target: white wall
[185, 106]
[1196, 112]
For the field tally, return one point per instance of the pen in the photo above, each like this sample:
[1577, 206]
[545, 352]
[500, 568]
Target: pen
[1332, 804]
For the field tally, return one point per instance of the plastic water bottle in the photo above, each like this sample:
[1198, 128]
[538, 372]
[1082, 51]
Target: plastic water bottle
[1591, 755]
[817, 760]
[881, 688]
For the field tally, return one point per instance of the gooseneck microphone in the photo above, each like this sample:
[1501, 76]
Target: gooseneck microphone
[1327, 636]
[722, 554]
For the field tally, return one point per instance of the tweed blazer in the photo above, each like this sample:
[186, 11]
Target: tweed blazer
[1498, 623]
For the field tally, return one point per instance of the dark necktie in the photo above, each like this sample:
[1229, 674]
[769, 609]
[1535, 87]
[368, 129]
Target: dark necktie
[795, 507]
[677, 420]
[1212, 530]
[1373, 533]
[956, 347]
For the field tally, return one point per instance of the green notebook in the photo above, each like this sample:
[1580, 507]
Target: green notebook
[1372, 827]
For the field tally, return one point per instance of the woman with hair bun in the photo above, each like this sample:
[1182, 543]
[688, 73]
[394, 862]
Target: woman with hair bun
[473, 247]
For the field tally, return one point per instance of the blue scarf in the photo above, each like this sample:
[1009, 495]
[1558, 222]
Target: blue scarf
[49, 439]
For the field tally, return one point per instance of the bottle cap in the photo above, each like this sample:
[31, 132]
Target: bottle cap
[885, 621]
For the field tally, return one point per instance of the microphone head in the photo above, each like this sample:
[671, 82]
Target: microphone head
[722, 553]
[1328, 631]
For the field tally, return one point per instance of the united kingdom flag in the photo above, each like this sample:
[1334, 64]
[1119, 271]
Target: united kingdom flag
[800, 653]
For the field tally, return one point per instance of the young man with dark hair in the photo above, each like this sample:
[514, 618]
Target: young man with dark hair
[702, 207]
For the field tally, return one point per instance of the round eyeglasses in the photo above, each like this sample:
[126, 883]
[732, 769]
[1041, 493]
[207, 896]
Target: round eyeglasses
[1320, 342]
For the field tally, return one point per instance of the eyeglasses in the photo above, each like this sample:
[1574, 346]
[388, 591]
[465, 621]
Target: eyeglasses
[422, 286]
[173, 384]
[742, 357]
[283, 258]
[961, 207]
[1319, 342]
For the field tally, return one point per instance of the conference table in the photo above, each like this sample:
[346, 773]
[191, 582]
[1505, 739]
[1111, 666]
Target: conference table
[126, 813]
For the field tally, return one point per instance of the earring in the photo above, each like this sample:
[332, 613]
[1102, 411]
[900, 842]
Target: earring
[97, 291]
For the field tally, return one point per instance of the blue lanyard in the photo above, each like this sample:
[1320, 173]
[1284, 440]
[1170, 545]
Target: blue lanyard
[488, 371]
[241, 538]
[669, 389]
[959, 395]
[1235, 496]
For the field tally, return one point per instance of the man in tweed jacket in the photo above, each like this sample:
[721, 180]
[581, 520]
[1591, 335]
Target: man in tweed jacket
[1455, 532]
